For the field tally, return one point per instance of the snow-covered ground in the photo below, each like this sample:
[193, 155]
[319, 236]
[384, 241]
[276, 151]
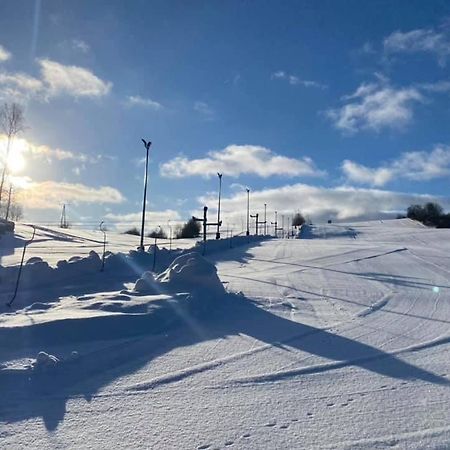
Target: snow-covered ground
[337, 340]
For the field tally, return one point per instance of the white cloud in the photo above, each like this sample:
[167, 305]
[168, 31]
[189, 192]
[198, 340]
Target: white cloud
[56, 79]
[236, 160]
[25, 147]
[205, 110]
[419, 40]
[366, 175]
[418, 165]
[4, 54]
[136, 100]
[80, 45]
[341, 203]
[72, 80]
[375, 106]
[50, 194]
[19, 86]
[152, 219]
[296, 81]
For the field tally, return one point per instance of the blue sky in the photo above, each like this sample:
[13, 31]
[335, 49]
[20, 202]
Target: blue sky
[339, 109]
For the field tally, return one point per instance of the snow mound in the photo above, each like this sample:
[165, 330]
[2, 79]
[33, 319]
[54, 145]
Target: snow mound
[45, 360]
[187, 273]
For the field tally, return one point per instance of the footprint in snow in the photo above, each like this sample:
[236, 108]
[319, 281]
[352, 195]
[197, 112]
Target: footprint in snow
[284, 426]
[203, 447]
[309, 414]
[228, 443]
[246, 435]
[330, 405]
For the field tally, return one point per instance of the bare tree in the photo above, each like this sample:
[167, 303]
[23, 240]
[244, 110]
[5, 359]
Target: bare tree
[12, 122]
[11, 209]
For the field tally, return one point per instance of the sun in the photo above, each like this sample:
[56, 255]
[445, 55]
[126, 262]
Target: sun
[16, 161]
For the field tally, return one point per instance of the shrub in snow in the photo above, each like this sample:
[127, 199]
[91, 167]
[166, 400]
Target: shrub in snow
[45, 360]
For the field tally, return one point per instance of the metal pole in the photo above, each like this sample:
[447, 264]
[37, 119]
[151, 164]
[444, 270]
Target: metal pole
[170, 235]
[147, 147]
[155, 247]
[265, 219]
[20, 267]
[104, 246]
[248, 212]
[276, 224]
[218, 209]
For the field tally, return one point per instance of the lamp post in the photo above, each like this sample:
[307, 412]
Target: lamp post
[248, 212]
[147, 147]
[218, 209]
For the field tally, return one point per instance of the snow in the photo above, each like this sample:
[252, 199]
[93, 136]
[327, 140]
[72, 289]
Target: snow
[337, 340]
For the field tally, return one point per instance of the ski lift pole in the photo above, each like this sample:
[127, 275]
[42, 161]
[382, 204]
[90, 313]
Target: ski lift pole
[155, 249]
[103, 230]
[20, 268]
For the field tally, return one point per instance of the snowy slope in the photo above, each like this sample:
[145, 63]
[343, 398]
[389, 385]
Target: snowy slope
[340, 340]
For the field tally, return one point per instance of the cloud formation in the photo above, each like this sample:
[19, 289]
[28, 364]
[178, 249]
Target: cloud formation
[72, 80]
[50, 194]
[4, 54]
[136, 100]
[55, 80]
[25, 147]
[375, 106]
[420, 40]
[205, 110]
[342, 203]
[236, 160]
[419, 166]
[296, 81]
[152, 218]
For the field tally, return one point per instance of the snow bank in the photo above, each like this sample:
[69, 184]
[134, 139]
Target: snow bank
[189, 272]
[44, 361]
[38, 273]
[326, 231]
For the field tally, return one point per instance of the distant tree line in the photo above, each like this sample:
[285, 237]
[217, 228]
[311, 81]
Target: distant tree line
[191, 229]
[430, 214]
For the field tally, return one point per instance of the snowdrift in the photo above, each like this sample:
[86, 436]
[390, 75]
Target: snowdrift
[188, 288]
[119, 266]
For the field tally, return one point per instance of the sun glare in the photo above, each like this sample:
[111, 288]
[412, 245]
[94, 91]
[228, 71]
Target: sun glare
[16, 161]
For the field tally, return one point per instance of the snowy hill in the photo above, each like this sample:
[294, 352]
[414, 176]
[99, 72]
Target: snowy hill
[335, 340]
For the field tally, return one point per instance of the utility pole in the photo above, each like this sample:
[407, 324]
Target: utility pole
[63, 222]
[205, 221]
[275, 229]
[147, 147]
[265, 219]
[103, 230]
[218, 209]
[170, 234]
[257, 222]
[248, 212]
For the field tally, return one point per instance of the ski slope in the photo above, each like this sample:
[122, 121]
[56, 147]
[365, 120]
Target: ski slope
[336, 340]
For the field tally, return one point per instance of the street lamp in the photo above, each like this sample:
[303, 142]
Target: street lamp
[248, 212]
[218, 209]
[147, 147]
